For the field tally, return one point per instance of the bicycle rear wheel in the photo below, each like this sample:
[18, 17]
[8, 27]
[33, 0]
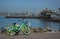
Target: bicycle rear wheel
[11, 33]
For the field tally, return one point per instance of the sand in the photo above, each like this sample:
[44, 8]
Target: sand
[32, 36]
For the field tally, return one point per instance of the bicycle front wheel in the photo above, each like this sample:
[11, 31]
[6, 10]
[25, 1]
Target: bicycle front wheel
[26, 30]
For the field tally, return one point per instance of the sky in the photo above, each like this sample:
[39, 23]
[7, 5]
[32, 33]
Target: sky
[32, 6]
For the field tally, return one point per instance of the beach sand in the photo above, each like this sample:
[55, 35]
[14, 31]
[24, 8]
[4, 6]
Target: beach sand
[32, 36]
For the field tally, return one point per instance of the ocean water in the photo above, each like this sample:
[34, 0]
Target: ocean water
[33, 22]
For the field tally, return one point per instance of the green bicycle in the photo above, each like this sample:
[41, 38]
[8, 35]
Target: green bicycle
[16, 28]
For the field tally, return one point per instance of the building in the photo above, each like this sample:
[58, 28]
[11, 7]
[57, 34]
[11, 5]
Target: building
[46, 13]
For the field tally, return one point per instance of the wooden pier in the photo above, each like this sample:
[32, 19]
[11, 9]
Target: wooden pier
[36, 17]
[46, 14]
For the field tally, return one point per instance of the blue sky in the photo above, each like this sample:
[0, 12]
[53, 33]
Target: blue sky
[29, 5]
